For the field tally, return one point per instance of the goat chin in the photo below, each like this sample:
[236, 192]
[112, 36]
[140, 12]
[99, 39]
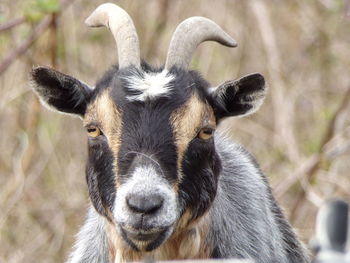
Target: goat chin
[188, 243]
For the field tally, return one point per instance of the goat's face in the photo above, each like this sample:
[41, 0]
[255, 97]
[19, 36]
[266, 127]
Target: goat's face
[152, 165]
[148, 154]
[152, 158]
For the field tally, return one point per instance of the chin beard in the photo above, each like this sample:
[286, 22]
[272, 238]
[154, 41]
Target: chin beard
[145, 241]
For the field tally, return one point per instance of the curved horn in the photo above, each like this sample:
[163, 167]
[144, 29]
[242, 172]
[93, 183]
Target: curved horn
[189, 34]
[123, 30]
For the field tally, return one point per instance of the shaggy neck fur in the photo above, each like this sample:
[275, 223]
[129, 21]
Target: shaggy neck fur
[188, 243]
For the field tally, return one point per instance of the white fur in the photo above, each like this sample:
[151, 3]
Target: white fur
[151, 85]
[258, 97]
[147, 180]
[211, 90]
[91, 245]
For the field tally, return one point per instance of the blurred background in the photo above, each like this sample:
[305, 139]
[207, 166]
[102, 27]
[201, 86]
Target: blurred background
[300, 136]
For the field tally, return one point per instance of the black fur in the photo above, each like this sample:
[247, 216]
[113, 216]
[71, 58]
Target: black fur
[61, 91]
[237, 97]
[99, 175]
[201, 168]
[211, 181]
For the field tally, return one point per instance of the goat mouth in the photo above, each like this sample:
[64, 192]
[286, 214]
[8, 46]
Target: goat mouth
[142, 235]
[140, 240]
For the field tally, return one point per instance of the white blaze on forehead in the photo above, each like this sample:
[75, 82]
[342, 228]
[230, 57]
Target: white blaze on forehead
[150, 85]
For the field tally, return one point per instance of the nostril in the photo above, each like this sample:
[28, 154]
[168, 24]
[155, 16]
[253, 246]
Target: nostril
[145, 204]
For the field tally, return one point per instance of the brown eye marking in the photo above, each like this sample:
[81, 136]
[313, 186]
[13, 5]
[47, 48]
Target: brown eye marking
[205, 133]
[93, 131]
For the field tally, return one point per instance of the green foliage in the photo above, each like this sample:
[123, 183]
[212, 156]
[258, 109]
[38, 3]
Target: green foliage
[48, 6]
[2, 18]
[33, 15]
[327, 113]
[61, 48]
[36, 9]
[97, 36]
[312, 145]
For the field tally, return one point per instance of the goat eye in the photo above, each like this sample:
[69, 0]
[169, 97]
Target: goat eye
[206, 133]
[93, 131]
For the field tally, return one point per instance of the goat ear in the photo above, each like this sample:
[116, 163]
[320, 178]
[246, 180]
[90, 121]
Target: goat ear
[60, 91]
[239, 97]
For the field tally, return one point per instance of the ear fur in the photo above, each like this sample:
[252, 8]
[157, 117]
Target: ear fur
[239, 97]
[60, 91]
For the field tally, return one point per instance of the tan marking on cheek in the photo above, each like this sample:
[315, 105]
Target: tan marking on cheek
[106, 114]
[90, 115]
[187, 122]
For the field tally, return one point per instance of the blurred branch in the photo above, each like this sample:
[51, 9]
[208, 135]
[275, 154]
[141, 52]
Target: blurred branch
[24, 162]
[303, 168]
[332, 124]
[160, 26]
[337, 150]
[347, 9]
[13, 23]
[53, 40]
[37, 31]
[33, 114]
[23, 47]
[283, 111]
[310, 174]
[31, 123]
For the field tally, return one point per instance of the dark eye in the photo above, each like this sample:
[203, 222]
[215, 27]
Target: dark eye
[205, 133]
[93, 131]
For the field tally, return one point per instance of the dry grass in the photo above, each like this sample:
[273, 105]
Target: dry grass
[301, 136]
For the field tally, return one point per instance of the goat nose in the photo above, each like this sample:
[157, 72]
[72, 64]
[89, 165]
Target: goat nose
[145, 204]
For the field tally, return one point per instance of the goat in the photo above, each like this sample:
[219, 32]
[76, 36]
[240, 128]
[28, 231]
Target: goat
[162, 182]
[332, 231]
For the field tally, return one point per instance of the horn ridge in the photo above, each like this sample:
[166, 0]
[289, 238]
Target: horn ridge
[189, 34]
[122, 27]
